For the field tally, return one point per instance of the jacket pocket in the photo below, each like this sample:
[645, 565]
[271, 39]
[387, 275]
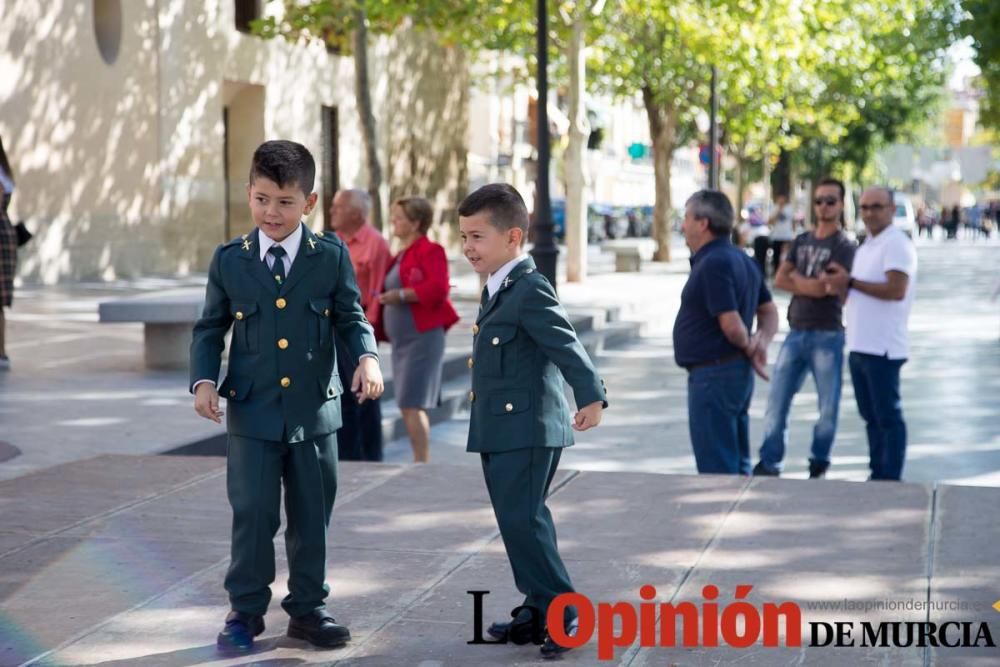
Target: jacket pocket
[509, 401]
[496, 349]
[246, 326]
[330, 388]
[235, 388]
[321, 310]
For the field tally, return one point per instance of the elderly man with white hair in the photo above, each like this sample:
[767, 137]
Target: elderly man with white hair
[360, 438]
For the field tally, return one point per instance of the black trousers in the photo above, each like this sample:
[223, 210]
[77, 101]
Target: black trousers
[360, 438]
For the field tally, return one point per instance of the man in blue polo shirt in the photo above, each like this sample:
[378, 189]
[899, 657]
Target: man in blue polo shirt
[712, 338]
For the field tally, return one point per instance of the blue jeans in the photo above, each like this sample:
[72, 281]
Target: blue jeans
[718, 401]
[876, 388]
[822, 354]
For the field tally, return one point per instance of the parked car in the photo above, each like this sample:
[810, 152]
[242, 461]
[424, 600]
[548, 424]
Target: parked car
[903, 217]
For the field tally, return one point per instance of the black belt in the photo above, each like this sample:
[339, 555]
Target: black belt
[735, 356]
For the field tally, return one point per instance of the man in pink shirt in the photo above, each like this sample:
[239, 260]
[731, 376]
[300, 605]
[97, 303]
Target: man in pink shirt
[360, 438]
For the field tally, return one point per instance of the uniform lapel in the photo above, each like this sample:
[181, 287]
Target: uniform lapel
[305, 259]
[523, 267]
[250, 251]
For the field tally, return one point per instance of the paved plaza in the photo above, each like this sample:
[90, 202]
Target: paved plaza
[113, 555]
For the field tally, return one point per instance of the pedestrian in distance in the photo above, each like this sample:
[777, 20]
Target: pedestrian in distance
[712, 336]
[880, 289]
[414, 315]
[283, 291]
[8, 252]
[360, 438]
[523, 346]
[815, 343]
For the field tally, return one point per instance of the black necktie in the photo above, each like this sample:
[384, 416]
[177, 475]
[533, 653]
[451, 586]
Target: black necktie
[278, 269]
[484, 297]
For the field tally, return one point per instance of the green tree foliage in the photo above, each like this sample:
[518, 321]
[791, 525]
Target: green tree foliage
[880, 73]
[982, 24]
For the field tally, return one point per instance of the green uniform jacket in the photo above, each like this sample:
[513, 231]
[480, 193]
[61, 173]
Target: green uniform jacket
[522, 339]
[282, 380]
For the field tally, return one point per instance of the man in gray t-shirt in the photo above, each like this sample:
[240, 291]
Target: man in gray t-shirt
[815, 343]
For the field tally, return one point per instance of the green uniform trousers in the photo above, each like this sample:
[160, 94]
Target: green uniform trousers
[255, 471]
[518, 482]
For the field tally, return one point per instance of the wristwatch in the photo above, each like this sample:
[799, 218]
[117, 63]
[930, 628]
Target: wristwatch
[850, 283]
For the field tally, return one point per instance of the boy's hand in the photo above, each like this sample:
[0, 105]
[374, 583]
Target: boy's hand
[206, 402]
[588, 416]
[367, 381]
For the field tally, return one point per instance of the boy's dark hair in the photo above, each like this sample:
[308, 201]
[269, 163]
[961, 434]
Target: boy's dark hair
[834, 182]
[502, 202]
[284, 162]
[715, 207]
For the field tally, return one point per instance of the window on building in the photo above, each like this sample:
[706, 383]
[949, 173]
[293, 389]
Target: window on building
[330, 161]
[246, 11]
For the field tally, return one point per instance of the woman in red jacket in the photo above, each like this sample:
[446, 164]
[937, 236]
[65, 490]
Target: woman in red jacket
[415, 314]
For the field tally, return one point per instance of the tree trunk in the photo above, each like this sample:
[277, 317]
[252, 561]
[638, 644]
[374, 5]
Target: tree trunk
[741, 182]
[576, 201]
[366, 114]
[663, 130]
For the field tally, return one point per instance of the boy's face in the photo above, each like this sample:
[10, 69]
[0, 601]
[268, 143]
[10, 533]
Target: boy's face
[277, 211]
[486, 247]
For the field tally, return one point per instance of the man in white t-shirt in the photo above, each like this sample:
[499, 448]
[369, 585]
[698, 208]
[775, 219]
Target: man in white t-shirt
[879, 290]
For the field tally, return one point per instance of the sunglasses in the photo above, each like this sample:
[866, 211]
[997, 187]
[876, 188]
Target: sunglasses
[873, 207]
[829, 201]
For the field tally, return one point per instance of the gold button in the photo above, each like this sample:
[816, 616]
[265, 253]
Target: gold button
[472, 396]
[471, 362]
[326, 312]
[280, 303]
[283, 343]
[239, 314]
[496, 341]
[509, 407]
[475, 329]
[232, 393]
[286, 382]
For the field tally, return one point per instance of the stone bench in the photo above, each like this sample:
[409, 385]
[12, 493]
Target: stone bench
[168, 318]
[630, 253]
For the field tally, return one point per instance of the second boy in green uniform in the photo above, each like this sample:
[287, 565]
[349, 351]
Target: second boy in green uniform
[520, 421]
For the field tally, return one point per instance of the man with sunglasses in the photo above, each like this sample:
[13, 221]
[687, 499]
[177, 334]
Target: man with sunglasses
[880, 289]
[815, 344]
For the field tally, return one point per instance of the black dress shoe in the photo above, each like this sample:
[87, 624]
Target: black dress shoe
[764, 470]
[319, 629]
[551, 650]
[817, 469]
[516, 633]
[237, 636]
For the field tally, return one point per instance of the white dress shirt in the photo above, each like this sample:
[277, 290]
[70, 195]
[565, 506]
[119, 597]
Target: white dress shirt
[496, 279]
[290, 243]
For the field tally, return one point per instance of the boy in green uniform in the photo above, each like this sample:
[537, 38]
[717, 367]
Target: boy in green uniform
[520, 420]
[284, 290]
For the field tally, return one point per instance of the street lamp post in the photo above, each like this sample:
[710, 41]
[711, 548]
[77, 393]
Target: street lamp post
[713, 133]
[544, 252]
